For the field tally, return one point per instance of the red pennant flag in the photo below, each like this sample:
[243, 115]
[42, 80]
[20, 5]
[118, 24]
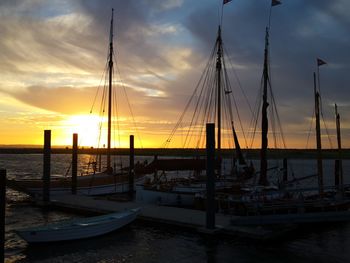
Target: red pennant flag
[320, 62]
[275, 2]
[226, 1]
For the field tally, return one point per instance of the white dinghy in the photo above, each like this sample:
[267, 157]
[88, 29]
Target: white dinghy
[78, 228]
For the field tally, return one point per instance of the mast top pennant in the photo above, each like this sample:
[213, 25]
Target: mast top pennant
[275, 2]
[320, 62]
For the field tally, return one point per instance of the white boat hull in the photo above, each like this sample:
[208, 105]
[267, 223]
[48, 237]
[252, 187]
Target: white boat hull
[179, 195]
[98, 184]
[78, 229]
[93, 190]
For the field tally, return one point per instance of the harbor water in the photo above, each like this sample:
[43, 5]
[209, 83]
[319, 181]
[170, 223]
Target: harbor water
[141, 242]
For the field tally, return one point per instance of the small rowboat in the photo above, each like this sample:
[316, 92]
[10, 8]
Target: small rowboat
[78, 228]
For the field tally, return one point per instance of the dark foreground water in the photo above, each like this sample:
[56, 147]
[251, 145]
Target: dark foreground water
[150, 243]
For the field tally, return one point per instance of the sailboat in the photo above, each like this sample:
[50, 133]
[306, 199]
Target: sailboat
[267, 205]
[287, 205]
[177, 181]
[97, 183]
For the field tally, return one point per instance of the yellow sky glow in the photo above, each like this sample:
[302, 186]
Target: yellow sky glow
[53, 62]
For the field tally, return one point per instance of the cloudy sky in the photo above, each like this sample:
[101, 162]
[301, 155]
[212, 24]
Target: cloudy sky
[53, 53]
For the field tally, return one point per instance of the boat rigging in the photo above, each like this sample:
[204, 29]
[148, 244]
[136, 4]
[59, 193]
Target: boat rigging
[212, 100]
[101, 180]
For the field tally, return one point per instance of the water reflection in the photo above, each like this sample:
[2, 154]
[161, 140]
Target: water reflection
[148, 243]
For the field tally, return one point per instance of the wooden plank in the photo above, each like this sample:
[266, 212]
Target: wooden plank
[172, 215]
[182, 217]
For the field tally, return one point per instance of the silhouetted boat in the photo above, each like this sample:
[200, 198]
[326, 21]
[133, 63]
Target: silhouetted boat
[78, 228]
[96, 183]
[268, 204]
[92, 184]
[176, 181]
[265, 205]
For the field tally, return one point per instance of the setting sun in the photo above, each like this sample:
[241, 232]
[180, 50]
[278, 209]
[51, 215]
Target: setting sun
[92, 132]
[87, 127]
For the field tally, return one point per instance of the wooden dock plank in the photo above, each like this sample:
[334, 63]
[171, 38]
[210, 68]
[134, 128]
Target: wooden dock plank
[173, 215]
[189, 218]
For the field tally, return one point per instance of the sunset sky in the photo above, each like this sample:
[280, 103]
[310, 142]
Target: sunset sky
[53, 53]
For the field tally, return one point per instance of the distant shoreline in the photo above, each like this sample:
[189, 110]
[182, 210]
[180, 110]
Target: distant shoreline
[250, 154]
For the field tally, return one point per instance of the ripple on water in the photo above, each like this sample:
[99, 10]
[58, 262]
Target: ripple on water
[143, 243]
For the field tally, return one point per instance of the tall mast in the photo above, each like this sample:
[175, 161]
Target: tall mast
[218, 72]
[110, 66]
[318, 139]
[264, 120]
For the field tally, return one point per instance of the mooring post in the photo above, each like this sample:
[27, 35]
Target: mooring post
[74, 163]
[285, 170]
[47, 166]
[99, 160]
[3, 209]
[131, 167]
[155, 161]
[337, 173]
[210, 220]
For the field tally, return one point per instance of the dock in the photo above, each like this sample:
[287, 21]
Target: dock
[173, 216]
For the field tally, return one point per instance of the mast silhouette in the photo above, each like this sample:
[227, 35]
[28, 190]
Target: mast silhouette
[218, 73]
[337, 116]
[110, 72]
[264, 119]
[340, 168]
[318, 138]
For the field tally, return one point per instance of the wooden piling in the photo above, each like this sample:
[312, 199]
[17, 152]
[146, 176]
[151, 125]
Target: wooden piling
[210, 162]
[2, 212]
[74, 163]
[155, 175]
[99, 160]
[285, 170]
[337, 173]
[131, 167]
[47, 166]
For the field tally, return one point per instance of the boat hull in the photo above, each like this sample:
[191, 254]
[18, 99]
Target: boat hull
[78, 229]
[171, 198]
[176, 195]
[94, 184]
[296, 218]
